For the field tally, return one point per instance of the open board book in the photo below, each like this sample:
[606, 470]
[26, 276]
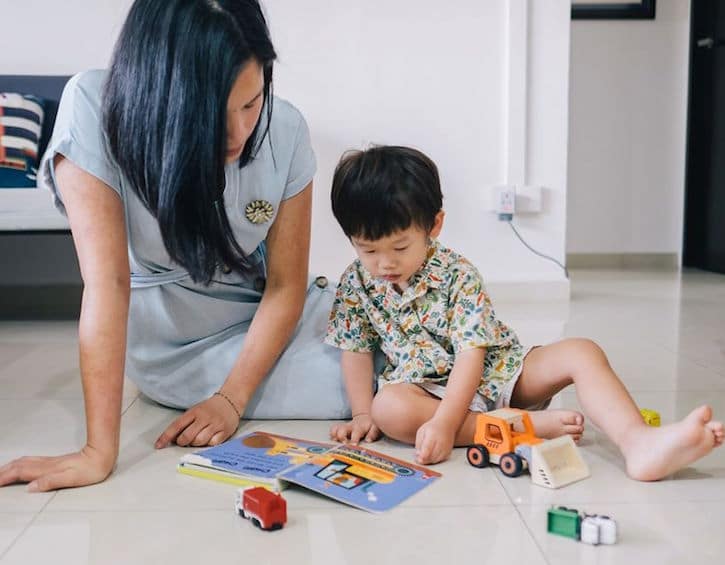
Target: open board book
[347, 473]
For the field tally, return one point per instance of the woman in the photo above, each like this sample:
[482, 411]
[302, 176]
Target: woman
[188, 192]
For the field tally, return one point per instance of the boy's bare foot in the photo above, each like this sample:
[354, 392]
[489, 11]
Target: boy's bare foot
[550, 424]
[653, 453]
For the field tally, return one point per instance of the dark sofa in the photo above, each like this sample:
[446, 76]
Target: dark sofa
[39, 275]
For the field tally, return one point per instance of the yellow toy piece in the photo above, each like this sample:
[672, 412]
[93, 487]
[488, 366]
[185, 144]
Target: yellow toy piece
[650, 417]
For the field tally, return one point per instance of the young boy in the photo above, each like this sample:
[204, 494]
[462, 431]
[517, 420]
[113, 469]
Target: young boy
[447, 355]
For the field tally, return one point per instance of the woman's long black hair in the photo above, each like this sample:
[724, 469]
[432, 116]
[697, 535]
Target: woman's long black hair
[164, 112]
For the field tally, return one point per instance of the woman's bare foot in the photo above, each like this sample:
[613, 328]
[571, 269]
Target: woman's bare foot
[653, 453]
[550, 424]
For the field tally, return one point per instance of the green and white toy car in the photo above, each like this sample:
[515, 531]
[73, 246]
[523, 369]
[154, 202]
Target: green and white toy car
[593, 529]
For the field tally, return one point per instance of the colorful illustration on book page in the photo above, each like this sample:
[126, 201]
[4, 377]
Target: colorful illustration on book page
[259, 454]
[361, 477]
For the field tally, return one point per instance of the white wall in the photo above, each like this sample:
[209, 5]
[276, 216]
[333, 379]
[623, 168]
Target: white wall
[419, 72]
[416, 72]
[628, 117]
[48, 37]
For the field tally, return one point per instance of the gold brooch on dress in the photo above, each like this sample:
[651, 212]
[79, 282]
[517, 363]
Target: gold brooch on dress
[259, 211]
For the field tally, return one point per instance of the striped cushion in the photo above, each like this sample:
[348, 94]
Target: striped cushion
[21, 123]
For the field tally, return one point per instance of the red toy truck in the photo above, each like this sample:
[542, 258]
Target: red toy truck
[267, 510]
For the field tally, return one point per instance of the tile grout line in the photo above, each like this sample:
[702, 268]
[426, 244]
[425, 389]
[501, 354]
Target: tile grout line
[123, 412]
[521, 517]
[42, 509]
[687, 357]
[27, 527]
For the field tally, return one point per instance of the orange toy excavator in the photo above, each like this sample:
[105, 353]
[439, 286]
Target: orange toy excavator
[506, 438]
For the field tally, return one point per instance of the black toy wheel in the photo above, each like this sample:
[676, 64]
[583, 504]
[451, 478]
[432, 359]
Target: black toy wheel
[257, 523]
[477, 456]
[511, 465]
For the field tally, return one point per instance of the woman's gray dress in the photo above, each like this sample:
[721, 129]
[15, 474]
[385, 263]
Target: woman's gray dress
[183, 337]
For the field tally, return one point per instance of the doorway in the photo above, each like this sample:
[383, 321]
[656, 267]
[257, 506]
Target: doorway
[704, 234]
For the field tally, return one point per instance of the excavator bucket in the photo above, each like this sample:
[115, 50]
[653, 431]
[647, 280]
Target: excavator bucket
[556, 463]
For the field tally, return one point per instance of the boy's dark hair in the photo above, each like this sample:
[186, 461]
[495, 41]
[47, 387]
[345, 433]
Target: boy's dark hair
[385, 189]
[164, 112]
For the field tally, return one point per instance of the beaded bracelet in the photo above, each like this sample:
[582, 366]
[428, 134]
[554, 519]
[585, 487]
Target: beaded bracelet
[225, 397]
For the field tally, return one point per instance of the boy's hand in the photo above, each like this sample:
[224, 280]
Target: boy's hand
[434, 442]
[361, 427]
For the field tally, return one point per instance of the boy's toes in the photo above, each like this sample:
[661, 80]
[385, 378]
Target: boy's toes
[570, 418]
[702, 414]
[717, 430]
[574, 431]
[573, 423]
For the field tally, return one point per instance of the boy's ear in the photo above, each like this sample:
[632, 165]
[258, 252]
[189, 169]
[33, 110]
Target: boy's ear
[437, 224]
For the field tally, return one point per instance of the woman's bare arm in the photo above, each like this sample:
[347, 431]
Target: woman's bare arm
[288, 247]
[95, 213]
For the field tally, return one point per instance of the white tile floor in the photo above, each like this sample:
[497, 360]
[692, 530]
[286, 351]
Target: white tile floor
[664, 333]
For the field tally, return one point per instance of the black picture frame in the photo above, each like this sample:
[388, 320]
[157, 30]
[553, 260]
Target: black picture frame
[642, 10]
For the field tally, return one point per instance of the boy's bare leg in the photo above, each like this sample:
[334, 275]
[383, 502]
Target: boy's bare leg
[400, 409]
[650, 453]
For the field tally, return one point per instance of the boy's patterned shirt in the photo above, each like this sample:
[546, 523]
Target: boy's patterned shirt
[445, 310]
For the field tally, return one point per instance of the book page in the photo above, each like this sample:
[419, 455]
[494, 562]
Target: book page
[361, 477]
[258, 454]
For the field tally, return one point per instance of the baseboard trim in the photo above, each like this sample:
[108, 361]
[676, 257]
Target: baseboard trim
[529, 291]
[43, 302]
[63, 302]
[629, 261]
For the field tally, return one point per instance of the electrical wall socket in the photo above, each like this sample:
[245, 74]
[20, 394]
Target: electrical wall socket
[506, 203]
[528, 198]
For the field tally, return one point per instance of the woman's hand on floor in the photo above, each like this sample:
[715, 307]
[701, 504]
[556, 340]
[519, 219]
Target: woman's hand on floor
[86, 467]
[208, 423]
